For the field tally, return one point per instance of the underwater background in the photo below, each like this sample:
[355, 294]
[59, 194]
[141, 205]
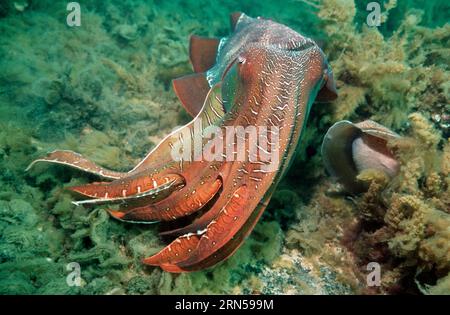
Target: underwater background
[104, 90]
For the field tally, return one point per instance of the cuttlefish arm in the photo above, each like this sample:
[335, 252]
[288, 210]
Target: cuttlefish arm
[227, 250]
[77, 161]
[219, 239]
[191, 251]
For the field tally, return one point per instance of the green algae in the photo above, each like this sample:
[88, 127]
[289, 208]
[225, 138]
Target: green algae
[104, 90]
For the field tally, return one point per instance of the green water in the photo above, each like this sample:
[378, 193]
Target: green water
[103, 89]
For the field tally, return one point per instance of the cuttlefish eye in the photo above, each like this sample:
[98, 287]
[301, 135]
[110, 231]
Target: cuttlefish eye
[245, 65]
[230, 83]
[233, 69]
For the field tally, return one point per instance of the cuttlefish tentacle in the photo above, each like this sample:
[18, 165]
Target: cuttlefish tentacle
[172, 208]
[201, 222]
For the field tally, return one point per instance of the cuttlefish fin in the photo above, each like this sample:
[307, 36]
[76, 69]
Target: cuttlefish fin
[234, 18]
[77, 161]
[202, 52]
[191, 91]
[328, 91]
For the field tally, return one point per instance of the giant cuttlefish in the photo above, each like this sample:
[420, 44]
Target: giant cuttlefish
[250, 97]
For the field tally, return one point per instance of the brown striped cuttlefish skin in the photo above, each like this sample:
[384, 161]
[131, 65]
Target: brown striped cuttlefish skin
[249, 96]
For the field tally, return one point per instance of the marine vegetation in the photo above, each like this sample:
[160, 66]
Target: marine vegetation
[103, 90]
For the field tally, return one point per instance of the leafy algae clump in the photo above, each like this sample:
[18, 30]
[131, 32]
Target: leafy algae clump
[398, 77]
[395, 74]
